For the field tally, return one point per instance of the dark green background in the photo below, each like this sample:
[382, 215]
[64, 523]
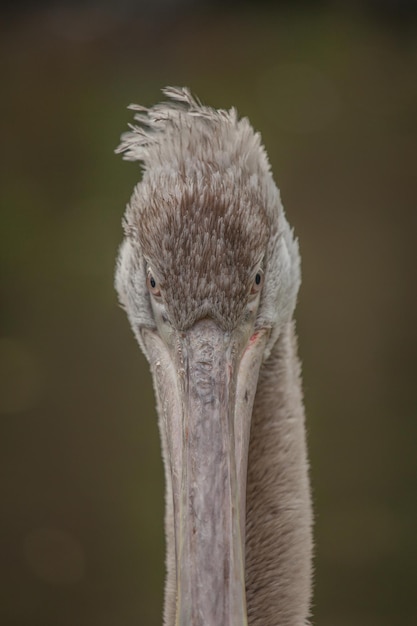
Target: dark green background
[334, 93]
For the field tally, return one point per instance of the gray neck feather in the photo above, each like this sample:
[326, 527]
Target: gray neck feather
[279, 517]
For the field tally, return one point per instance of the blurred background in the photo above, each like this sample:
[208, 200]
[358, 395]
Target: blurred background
[332, 88]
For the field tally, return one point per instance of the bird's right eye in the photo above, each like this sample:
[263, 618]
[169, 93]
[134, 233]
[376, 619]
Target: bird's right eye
[152, 284]
[257, 283]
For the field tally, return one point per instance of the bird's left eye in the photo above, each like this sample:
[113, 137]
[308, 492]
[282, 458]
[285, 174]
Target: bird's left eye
[152, 284]
[257, 283]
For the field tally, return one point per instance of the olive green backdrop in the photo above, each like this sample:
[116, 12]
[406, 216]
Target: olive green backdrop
[334, 94]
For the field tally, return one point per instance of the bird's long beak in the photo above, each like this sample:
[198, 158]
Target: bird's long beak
[206, 381]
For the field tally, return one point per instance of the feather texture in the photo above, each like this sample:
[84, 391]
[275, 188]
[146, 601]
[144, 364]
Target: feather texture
[205, 218]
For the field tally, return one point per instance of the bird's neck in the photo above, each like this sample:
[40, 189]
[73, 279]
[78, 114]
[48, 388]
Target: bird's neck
[278, 525]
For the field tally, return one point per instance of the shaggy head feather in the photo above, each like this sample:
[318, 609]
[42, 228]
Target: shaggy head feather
[205, 217]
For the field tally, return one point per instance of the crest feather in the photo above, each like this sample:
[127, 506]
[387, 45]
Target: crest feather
[156, 121]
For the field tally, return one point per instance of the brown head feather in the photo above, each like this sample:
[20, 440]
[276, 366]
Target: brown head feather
[200, 210]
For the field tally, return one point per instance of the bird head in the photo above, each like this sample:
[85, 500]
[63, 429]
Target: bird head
[208, 274]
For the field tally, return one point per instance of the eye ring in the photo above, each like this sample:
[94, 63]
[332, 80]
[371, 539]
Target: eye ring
[258, 282]
[152, 284]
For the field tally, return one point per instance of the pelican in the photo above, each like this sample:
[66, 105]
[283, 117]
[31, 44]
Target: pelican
[208, 273]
